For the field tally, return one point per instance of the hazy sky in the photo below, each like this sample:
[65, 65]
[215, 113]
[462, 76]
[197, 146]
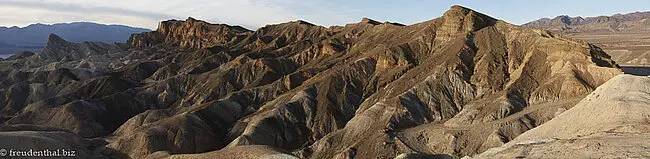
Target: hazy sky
[256, 13]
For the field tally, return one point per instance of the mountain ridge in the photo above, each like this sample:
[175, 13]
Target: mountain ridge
[613, 23]
[71, 23]
[34, 36]
[363, 90]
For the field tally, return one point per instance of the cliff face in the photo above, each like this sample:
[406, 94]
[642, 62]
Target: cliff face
[363, 90]
[190, 33]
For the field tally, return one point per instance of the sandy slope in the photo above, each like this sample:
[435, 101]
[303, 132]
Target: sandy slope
[612, 122]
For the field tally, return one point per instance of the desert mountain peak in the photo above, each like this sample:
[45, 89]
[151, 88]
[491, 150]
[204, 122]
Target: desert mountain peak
[58, 48]
[54, 39]
[370, 21]
[303, 22]
[459, 20]
[189, 19]
[469, 18]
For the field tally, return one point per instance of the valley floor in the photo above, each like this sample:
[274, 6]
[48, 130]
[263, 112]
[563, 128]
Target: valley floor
[626, 48]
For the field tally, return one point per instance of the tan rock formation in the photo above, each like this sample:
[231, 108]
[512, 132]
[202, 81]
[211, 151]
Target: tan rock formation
[612, 122]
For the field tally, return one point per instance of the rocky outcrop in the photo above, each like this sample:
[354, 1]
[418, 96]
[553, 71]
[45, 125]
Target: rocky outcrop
[190, 33]
[58, 49]
[459, 21]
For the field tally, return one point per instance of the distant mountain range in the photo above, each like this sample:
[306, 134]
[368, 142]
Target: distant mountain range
[34, 37]
[626, 37]
[637, 21]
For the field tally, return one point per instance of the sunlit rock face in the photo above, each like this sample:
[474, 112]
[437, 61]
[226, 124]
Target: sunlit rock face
[614, 123]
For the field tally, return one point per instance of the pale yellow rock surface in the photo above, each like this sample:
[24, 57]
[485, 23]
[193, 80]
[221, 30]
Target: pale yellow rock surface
[611, 122]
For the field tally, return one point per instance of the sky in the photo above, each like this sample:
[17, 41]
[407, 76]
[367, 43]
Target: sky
[253, 14]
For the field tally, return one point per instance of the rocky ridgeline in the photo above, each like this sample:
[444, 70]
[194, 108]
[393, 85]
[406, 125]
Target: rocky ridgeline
[631, 22]
[363, 90]
[190, 33]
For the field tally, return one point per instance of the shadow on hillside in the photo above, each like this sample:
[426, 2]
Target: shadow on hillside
[636, 70]
[427, 156]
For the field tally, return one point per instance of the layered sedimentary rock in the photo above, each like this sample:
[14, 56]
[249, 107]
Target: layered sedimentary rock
[191, 33]
[363, 90]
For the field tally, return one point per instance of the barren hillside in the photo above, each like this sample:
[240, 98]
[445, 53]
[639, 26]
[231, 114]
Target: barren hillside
[456, 85]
